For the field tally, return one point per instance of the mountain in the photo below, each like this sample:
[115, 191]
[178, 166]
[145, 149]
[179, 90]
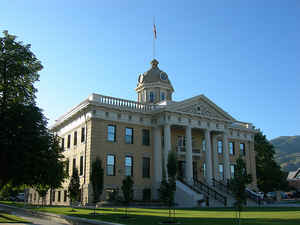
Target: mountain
[287, 152]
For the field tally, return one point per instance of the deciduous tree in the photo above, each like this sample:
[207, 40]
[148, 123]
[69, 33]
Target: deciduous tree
[127, 189]
[238, 186]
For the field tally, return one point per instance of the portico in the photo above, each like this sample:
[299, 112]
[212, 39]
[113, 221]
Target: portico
[196, 148]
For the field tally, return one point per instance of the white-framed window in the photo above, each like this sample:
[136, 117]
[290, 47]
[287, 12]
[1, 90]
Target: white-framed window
[128, 166]
[242, 149]
[162, 96]
[181, 142]
[221, 171]
[128, 135]
[204, 169]
[110, 165]
[232, 169]
[151, 96]
[231, 148]
[220, 147]
[203, 145]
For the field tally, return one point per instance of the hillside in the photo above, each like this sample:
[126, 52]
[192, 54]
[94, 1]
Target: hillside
[287, 152]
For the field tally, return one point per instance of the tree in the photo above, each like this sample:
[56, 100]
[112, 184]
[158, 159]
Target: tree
[53, 172]
[74, 186]
[24, 137]
[238, 186]
[97, 180]
[127, 188]
[270, 177]
[168, 187]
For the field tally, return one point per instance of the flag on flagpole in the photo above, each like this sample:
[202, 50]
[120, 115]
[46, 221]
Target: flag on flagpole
[154, 30]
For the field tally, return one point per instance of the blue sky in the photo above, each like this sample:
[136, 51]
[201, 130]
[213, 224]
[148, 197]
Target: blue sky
[243, 55]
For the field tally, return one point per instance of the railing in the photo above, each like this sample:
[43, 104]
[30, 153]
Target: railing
[210, 192]
[226, 188]
[183, 149]
[242, 124]
[253, 196]
[221, 185]
[138, 106]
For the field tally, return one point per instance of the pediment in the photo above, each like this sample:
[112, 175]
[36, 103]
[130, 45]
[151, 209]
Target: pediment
[201, 105]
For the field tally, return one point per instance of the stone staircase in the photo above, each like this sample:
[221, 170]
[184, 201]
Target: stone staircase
[198, 193]
[209, 196]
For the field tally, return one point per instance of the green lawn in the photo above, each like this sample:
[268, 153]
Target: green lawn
[221, 216]
[7, 218]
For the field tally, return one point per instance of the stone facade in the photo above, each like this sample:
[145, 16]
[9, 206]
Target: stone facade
[207, 140]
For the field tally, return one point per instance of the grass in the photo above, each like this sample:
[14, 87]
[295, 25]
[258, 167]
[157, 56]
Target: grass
[7, 218]
[216, 216]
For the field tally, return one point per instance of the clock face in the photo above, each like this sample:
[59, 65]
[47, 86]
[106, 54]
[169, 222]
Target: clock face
[163, 76]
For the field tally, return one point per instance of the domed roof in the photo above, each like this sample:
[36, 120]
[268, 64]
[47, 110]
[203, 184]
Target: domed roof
[154, 74]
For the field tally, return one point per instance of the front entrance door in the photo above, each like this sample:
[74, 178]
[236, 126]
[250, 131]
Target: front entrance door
[195, 171]
[181, 169]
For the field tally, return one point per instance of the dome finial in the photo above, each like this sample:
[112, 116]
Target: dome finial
[154, 63]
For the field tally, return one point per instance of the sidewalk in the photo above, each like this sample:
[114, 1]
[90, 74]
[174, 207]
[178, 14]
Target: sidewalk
[50, 218]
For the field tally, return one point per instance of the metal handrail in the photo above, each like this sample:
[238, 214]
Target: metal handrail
[221, 185]
[210, 191]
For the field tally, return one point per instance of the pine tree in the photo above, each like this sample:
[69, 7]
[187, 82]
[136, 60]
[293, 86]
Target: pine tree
[74, 187]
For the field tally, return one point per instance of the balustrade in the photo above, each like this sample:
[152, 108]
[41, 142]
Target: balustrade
[136, 106]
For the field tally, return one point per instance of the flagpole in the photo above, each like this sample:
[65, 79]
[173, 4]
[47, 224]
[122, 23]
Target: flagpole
[154, 36]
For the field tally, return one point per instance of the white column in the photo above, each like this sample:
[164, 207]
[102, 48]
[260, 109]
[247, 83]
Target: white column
[167, 147]
[226, 157]
[188, 155]
[208, 157]
[215, 158]
[157, 161]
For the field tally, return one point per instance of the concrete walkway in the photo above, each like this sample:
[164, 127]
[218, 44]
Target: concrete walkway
[42, 218]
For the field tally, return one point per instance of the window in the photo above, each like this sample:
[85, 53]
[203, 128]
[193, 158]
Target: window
[181, 143]
[62, 144]
[203, 145]
[65, 195]
[69, 141]
[110, 165]
[111, 133]
[204, 169]
[128, 166]
[128, 135]
[146, 167]
[146, 137]
[151, 96]
[74, 164]
[75, 138]
[232, 168]
[81, 166]
[146, 194]
[82, 134]
[221, 171]
[58, 196]
[242, 149]
[220, 147]
[162, 96]
[231, 148]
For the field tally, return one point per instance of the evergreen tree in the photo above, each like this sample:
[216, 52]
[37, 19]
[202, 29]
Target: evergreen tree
[127, 188]
[97, 181]
[168, 187]
[270, 176]
[74, 187]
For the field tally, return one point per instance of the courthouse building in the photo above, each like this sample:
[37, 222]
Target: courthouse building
[133, 138]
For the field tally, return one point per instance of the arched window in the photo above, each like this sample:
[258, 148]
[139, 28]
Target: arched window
[151, 96]
[162, 96]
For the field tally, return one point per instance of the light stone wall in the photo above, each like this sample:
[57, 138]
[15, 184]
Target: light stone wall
[101, 147]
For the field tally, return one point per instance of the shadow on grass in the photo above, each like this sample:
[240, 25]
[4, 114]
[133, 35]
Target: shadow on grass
[10, 219]
[154, 220]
